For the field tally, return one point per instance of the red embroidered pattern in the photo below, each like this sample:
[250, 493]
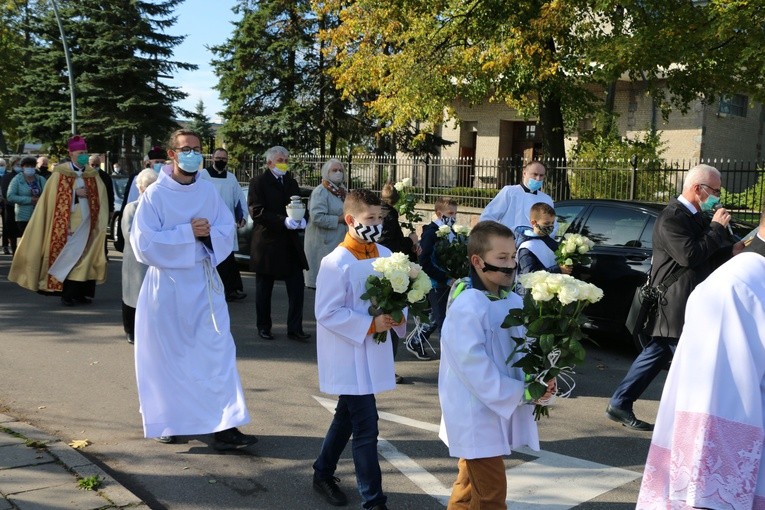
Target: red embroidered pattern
[59, 230]
[713, 463]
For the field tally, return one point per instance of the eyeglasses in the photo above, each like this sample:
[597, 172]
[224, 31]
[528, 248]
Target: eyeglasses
[715, 191]
[188, 150]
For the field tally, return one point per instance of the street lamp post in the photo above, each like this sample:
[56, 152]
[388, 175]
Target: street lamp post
[69, 67]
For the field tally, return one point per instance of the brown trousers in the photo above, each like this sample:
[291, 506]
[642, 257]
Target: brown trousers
[481, 485]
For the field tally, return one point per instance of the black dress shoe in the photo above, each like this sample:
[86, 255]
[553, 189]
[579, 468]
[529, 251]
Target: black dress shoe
[83, 300]
[265, 334]
[300, 336]
[232, 438]
[237, 295]
[130, 338]
[67, 301]
[331, 492]
[165, 439]
[627, 418]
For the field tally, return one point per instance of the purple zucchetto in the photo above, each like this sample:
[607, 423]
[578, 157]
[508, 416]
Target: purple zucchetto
[77, 143]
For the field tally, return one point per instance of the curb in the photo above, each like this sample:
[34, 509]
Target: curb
[62, 459]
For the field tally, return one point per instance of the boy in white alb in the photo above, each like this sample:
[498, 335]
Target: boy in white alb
[536, 247]
[351, 364]
[482, 396]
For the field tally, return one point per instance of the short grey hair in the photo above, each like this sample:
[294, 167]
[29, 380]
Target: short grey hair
[326, 166]
[94, 157]
[699, 174]
[145, 178]
[273, 151]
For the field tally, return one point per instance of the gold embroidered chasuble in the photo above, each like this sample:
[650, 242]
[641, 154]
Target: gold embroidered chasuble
[50, 226]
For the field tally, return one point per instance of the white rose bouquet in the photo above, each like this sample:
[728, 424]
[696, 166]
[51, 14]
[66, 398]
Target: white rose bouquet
[573, 250]
[451, 254]
[400, 284]
[406, 203]
[552, 316]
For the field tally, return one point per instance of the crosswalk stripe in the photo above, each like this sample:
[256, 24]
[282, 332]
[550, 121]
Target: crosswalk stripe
[551, 481]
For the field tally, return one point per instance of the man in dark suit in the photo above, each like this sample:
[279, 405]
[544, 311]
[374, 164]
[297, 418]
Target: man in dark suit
[276, 252]
[687, 243]
[757, 243]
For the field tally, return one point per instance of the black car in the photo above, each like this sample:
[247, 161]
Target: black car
[620, 260]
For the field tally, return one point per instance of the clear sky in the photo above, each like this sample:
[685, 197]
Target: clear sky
[205, 23]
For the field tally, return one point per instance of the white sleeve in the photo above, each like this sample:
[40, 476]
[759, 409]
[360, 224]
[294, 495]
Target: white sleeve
[156, 246]
[497, 208]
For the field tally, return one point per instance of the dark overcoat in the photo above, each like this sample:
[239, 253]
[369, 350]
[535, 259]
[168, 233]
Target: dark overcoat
[682, 239]
[275, 250]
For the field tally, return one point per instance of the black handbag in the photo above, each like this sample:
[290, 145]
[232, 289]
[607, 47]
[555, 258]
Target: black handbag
[645, 305]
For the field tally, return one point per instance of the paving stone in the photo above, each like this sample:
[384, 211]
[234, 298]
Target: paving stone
[8, 439]
[21, 455]
[14, 481]
[70, 457]
[55, 497]
[5, 504]
[30, 432]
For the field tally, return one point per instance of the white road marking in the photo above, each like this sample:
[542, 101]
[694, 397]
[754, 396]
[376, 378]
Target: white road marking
[533, 485]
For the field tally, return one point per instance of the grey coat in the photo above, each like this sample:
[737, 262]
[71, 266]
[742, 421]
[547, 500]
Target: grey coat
[323, 233]
[132, 270]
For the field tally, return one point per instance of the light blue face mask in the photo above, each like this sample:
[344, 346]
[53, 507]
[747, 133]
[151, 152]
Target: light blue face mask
[2, 170]
[709, 203]
[535, 185]
[17, 169]
[190, 162]
[157, 167]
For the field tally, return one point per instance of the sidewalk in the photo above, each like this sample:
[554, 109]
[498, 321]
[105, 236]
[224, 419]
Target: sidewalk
[40, 472]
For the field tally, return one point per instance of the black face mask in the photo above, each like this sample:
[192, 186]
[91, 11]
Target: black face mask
[488, 267]
[43, 168]
[546, 230]
[220, 165]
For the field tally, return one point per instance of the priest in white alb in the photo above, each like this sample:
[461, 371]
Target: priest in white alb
[706, 449]
[185, 356]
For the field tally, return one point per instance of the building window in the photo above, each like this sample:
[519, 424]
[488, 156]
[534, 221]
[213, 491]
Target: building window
[531, 131]
[734, 105]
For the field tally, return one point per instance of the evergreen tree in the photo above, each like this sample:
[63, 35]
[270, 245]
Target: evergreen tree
[200, 123]
[12, 42]
[272, 80]
[119, 51]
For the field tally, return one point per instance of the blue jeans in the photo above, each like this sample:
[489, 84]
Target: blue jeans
[644, 369]
[354, 415]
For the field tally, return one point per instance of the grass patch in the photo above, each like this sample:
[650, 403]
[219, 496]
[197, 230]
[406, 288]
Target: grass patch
[90, 483]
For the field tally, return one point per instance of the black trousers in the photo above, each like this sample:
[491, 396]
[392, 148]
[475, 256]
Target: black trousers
[128, 319]
[230, 275]
[264, 286]
[78, 290]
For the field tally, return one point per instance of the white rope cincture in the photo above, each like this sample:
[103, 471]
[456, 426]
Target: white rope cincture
[564, 378]
[214, 285]
[417, 333]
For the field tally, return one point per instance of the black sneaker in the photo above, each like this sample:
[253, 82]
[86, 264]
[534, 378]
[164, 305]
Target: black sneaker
[331, 492]
[232, 438]
[417, 349]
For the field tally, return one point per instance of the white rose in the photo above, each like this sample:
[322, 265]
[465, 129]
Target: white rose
[399, 186]
[568, 262]
[541, 293]
[461, 230]
[407, 181]
[583, 249]
[414, 296]
[443, 231]
[414, 270]
[422, 283]
[569, 292]
[399, 281]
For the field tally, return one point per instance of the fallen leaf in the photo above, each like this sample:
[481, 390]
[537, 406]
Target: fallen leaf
[41, 407]
[213, 481]
[80, 443]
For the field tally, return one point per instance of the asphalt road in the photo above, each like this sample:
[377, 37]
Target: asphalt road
[70, 372]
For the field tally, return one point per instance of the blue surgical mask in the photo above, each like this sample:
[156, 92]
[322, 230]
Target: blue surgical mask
[2, 170]
[190, 162]
[17, 169]
[535, 185]
[157, 167]
[709, 203]
[29, 172]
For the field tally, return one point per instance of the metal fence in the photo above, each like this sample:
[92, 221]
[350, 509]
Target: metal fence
[474, 182]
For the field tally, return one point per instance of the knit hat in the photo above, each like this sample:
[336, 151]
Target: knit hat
[77, 143]
[157, 152]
